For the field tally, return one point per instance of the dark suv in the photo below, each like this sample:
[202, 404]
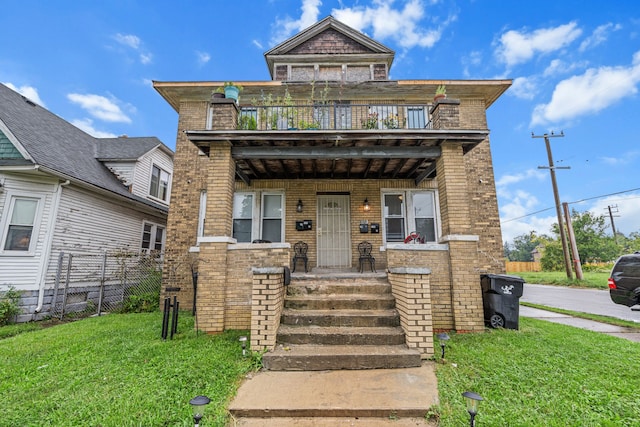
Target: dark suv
[624, 283]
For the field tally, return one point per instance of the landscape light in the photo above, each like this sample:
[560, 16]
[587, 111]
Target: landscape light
[472, 399]
[443, 338]
[243, 342]
[197, 404]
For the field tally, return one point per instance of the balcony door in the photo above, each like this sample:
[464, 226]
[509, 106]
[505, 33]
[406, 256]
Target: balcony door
[334, 236]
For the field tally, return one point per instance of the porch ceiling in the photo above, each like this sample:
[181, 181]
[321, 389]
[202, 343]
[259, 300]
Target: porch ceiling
[335, 154]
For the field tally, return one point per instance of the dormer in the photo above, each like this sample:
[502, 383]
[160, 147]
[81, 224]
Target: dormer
[329, 51]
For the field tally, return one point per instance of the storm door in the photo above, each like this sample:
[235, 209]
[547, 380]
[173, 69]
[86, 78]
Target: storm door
[334, 238]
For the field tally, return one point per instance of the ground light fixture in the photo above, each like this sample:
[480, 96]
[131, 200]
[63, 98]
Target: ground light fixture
[443, 338]
[472, 399]
[197, 404]
[243, 342]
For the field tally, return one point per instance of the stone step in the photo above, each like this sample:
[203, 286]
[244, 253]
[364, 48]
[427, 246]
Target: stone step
[335, 335]
[338, 287]
[308, 357]
[339, 301]
[356, 318]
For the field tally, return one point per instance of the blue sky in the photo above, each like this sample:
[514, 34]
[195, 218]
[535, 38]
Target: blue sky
[575, 66]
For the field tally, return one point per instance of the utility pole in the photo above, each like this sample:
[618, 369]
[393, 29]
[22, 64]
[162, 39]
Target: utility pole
[552, 171]
[572, 240]
[613, 225]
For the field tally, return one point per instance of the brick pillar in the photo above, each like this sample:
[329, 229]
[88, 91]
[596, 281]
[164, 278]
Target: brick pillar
[267, 301]
[212, 265]
[457, 232]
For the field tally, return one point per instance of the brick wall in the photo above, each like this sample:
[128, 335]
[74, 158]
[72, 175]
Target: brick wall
[268, 292]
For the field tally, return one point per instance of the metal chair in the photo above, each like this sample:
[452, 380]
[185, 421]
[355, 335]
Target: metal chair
[364, 248]
[300, 254]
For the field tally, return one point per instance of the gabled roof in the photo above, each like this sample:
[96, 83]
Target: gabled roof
[128, 148]
[291, 46]
[57, 147]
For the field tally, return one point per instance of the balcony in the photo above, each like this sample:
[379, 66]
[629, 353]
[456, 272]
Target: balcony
[335, 116]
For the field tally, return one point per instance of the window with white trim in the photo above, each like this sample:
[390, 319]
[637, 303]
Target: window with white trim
[258, 217]
[19, 231]
[405, 212]
[159, 183]
[152, 238]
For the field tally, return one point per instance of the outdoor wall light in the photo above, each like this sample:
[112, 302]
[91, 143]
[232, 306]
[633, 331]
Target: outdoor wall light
[365, 205]
[443, 338]
[299, 206]
[197, 404]
[243, 342]
[472, 399]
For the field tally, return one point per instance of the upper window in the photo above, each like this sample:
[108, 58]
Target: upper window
[159, 183]
[407, 212]
[152, 238]
[416, 117]
[20, 226]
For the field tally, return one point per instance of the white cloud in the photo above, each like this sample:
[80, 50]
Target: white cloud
[203, 57]
[596, 89]
[516, 219]
[599, 36]
[401, 25]
[524, 88]
[87, 126]
[627, 218]
[516, 47]
[29, 92]
[100, 107]
[146, 58]
[128, 40]
[286, 26]
[519, 177]
[257, 44]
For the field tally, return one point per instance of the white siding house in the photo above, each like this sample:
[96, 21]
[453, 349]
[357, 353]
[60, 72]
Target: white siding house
[62, 190]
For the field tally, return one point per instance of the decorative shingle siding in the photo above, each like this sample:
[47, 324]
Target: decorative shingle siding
[329, 41]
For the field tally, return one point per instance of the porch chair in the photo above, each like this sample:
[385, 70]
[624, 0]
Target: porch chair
[300, 254]
[364, 248]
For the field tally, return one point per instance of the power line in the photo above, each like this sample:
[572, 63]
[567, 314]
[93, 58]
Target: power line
[571, 203]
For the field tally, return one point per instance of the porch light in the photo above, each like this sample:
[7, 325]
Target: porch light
[197, 404]
[443, 338]
[365, 205]
[299, 206]
[472, 399]
[243, 342]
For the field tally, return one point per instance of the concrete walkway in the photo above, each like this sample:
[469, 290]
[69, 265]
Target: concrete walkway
[616, 331]
[373, 397]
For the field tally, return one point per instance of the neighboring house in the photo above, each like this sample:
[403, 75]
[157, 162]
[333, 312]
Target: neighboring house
[64, 190]
[333, 153]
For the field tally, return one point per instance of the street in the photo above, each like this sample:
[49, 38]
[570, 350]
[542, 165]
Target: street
[584, 300]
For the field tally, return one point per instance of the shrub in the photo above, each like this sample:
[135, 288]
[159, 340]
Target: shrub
[145, 297]
[9, 307]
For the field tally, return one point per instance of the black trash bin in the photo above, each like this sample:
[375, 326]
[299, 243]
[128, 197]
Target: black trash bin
[501, 300]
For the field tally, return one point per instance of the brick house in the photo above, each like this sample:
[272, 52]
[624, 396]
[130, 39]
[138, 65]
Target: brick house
[332, 152]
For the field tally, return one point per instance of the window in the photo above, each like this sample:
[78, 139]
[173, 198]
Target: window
[243, 217]
[159, 183]
[416, 118]
[256, 217]
[405, 212]
[21, 223]
[152, 238]
[202, 212]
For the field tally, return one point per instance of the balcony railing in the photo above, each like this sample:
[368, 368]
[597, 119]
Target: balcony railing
[335, 116]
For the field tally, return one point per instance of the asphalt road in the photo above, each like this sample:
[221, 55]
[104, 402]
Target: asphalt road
[583, 300]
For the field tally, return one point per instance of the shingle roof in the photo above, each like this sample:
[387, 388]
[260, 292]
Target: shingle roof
[57, 145]
[127, 148]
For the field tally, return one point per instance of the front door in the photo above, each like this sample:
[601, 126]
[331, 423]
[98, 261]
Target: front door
[334, 234]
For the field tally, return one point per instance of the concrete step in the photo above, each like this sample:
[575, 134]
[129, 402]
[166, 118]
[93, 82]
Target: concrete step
[338, 287]
[389, 421]
[356, 318]
[308, 357]
[336, 335]
[340, 301]
[340, 396]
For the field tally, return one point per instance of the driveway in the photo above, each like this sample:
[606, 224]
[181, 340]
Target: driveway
[584, 300]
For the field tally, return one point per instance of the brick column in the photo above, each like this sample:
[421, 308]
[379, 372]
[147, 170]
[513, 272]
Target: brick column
[412, 290]
[457, 232]
[267, 301]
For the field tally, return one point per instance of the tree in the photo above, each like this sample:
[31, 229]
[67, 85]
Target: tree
[522, 247]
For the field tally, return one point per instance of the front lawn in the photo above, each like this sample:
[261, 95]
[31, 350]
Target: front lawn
[115, 370]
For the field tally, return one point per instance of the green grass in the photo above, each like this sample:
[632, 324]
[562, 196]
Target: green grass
[596, 280]
[545, 374]
[115, 370]
[590, 316]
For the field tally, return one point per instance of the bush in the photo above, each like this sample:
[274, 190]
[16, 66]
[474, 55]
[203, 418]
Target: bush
[145, 297]
[9, 307]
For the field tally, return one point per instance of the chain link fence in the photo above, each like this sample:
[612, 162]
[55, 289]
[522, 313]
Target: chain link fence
[88, 284]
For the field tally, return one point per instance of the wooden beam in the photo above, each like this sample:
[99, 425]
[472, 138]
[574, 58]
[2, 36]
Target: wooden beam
[377, 152]
[427, 172]
[243, 176]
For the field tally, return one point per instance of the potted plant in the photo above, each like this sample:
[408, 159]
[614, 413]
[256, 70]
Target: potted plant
[232, 90]
[441, 93]
[218, 93]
